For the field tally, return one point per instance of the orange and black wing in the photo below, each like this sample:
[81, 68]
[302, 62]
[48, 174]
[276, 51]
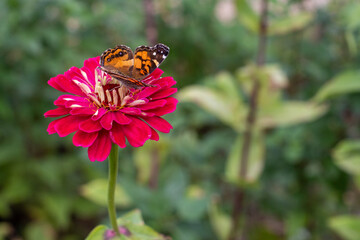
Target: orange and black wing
[147, 59]
[119, 60]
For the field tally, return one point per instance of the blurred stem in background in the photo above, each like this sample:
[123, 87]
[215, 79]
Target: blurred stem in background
[113, 171]
[152, 39]
[150, 22]
[238, 232]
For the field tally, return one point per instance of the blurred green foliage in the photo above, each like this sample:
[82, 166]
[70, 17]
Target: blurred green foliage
[307, 183]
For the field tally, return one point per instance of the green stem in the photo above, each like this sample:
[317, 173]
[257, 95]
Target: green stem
[113, 170]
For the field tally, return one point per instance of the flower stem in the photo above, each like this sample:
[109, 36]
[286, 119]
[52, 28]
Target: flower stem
[113, 171]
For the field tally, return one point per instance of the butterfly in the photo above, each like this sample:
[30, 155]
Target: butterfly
[131, 68]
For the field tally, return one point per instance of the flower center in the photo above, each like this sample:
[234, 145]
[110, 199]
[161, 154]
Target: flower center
[108, 93]
[112, 95]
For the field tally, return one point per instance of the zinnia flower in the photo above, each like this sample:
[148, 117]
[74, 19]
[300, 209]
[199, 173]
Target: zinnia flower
[100, 111]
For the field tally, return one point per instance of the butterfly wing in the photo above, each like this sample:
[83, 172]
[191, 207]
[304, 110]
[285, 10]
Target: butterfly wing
[147, 59]
[119, 60]
[125, 80]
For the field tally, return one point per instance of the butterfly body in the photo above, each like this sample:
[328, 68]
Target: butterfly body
[129, 67]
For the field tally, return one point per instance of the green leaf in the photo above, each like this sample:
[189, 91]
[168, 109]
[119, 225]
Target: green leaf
[246, 75]
[97, 233]
[347, 156]
[290, 23]
[96, 191]
[220, 222]
[289, 113]
[4, 208]
[145, 156]
[344, 83]
[39, 230]
[143, 232]
[295, 222]
[5, 230]
[58, 207]
[194, 205]
[357, 181]
[348, 227]
[350, 16]
[247, 17]
[134, 222]
[222, 100]
[131, 217]
[351, 42]
[225, 84]
[255, 161]
[276, 76]
[283, 25]
[272, 80]
[192, 209]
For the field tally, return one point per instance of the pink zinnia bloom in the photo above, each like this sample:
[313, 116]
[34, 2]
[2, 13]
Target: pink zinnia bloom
[102, 112]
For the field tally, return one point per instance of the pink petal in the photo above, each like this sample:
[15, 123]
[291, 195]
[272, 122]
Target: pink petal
[82, 111]
[90, 126]
[169, 107]
[147, 114]
[120, 118]
[138, 102]
[76, 104]
[74, 73]
[55, 83]
[159, 124]
[146, 92]
[156, 73]
[66, 84]
[90, 76]
[65, 99]
[153, 104]
[84, 139]
[107, 120]
[131, 111]
[165, 82]
[137, 132]
[153, 76]
[61, 111]
[101, 147]
[154, 135]
[117, 136]
[68, 124]
[98, 114]
[163, 93]
[51, 127]
[92, 63]
[89, 68]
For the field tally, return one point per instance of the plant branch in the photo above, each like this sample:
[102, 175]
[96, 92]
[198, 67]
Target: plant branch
[154, 171]
[152, 39]
[150, 23]
[238, 205]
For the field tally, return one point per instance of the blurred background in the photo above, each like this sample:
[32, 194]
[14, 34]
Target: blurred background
[302, 177]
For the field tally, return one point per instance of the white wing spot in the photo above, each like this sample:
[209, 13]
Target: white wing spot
[154, 53]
